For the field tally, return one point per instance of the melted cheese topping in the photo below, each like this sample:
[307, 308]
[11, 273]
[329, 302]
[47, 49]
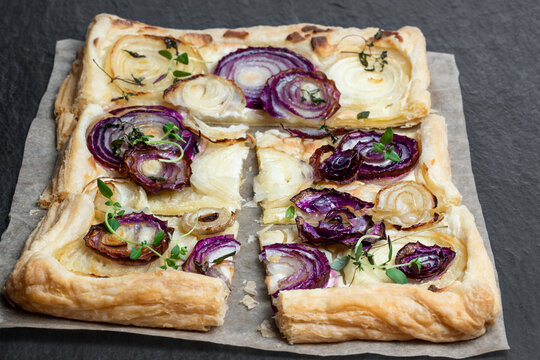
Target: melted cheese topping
[382, 93]
[215, 182]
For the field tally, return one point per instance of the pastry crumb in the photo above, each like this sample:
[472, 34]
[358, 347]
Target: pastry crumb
[250, 288]
[251, 238]
[249, 302]
[33, 211]
[250, 204]
[266, 329]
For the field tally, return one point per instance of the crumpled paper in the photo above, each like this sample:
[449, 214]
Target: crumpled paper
[240, 327]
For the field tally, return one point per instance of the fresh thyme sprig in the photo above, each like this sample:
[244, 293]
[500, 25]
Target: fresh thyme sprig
[136, 136]
[125, 94]
[382, 146]
[178, 58]
[357, 257]
[366, 53]
[313, 97]
[326, 128]
[112, 224]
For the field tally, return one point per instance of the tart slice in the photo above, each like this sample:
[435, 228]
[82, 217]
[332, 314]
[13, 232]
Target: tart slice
[436, 284]
[103, 256]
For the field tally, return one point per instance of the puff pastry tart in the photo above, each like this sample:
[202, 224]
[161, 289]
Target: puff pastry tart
[340, 74]
[152, 128]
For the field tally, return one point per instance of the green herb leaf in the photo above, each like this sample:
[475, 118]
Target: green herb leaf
[104, 189]
[220, 259]
[157, 178]
[183, 58]
[164, 267]
[289, 214]
[134, 54]
[387, 136]
[183, 250]
[108, 203]
[396, 276]
[392, 155]
[390, 249]
[378, 147]
[165, 53]
[171, 263]
[180, 73]
[416, 265]
[114, 224]
[116, 145]
[171, 43]
[383, 55]
[339, 264]
[175, 252]
[378, 35]
[138, 80]
[158, 237]
[135, 253]
[362, 115]
[370, 258]
[363, 59]
[121, 212]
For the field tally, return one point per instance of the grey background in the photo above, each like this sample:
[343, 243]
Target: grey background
[496, 47]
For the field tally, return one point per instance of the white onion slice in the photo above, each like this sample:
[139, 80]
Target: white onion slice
[405, 204]
[382, 93]
[152, 67]
[207, 95]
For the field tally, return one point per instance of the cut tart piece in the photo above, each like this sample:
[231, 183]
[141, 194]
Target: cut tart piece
[97, 257]
[377, 78]
[407, 191]
[437, 284]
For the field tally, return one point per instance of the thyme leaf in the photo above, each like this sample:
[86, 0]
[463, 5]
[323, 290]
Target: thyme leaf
[134, 54]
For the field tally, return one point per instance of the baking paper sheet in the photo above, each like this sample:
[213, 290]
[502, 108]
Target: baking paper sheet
[240, 324]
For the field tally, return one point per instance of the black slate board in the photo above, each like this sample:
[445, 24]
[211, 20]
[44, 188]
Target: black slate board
[495, 44]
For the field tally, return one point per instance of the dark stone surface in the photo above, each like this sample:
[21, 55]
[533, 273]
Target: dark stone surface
[496, 47]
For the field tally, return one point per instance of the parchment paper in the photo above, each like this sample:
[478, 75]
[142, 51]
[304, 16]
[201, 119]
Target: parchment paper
[240, 324]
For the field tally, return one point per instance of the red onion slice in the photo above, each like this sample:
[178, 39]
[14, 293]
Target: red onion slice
[208, 254]
[374, 165]
[99, 239]
[339, 227]
[306, 267]
[322, 201]
[250, 68]
[107, 139]
[354, 158]
[141, 163]
[435, 260]
[299, 93]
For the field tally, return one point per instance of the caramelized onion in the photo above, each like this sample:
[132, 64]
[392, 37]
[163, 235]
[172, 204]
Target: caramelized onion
[295, 266]
[313, 201]
[141, 163]
[137, 227]
[434, 259]
[355, 158]
[209, 257]
[406, 205]
[109, 138]
[207, 221]
[206, 95]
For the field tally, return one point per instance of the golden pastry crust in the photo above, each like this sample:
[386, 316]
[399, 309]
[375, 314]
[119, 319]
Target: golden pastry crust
[162, 298]
[275, 148]
[457, 312]
[323, 46]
